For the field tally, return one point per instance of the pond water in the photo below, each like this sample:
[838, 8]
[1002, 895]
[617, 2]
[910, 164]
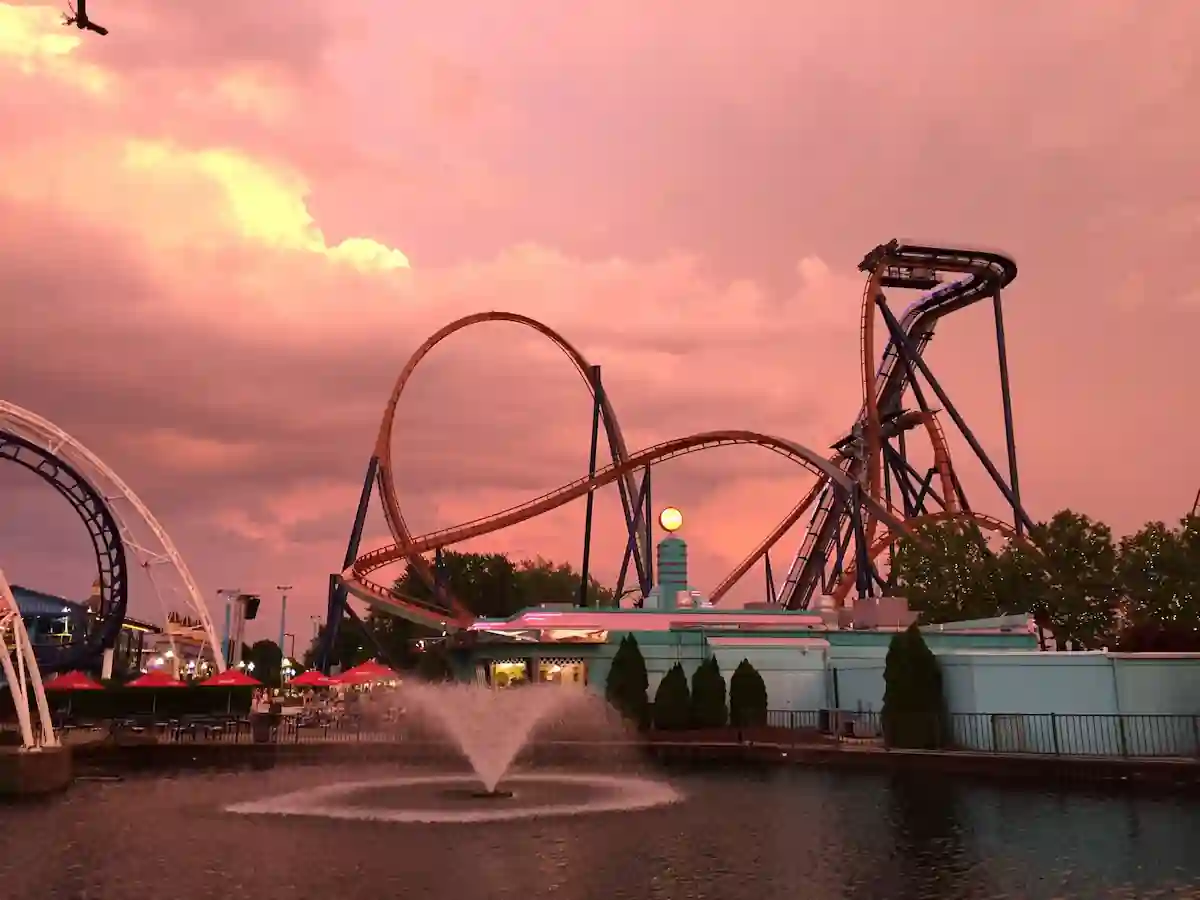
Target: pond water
[780, 833]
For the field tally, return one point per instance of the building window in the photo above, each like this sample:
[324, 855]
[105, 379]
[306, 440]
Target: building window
[571, 672]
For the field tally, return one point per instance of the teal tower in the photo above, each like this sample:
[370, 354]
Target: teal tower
[672, 571]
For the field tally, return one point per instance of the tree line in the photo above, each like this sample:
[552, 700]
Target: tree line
[1090, 590]
[489, 585]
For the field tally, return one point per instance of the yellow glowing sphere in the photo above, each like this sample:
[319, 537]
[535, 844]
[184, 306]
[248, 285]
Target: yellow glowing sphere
[670, 519]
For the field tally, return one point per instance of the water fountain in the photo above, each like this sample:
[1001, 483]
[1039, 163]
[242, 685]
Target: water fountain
[490, 728]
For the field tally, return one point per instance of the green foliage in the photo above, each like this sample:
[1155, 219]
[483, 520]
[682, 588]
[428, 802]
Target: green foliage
[947, 573]
[541, 581]
[488, 584]
[913, 706]
[672, 703]
[351, 648]
[1071, 584]
[708, 696]
[1069, 573]
[628, 683]
[1160, 572]
[747, 697]
[491, 585]
[267, 659]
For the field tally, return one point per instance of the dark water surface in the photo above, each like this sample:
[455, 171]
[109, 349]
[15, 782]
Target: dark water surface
[759, 836]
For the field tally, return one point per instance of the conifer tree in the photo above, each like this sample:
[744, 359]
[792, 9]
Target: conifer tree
[628, 683]
[672, 701]
[708, 696]
[747, 697]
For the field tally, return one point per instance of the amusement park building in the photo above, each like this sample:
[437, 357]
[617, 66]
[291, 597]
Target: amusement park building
[991, 668]
[53, 621]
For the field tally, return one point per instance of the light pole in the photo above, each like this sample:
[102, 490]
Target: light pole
[283, 589]
[232, 632]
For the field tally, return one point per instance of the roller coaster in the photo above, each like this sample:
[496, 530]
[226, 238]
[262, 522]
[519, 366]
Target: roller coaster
[121, 529]
[869, 479]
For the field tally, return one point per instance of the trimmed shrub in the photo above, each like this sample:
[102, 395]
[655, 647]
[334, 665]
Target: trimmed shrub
[913, 703]
[672, 701]
[627, 683]
[708, 696]
[747, 697]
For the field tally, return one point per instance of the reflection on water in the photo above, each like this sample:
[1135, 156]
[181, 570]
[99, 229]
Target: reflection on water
[760, 836]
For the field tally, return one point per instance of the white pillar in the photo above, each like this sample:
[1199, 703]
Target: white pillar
[106, 664]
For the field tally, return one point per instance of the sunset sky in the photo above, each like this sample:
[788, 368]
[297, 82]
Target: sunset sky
[225, 227]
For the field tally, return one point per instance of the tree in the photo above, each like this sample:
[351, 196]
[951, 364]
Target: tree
[541, 581]
[350, 649]
[945, 571]
[708, 696]
[1159, 575]
[747, 697]
[672, 703]
[628, 683]
[1066, 575]
[913, 705]
[267, 660]
[490, 585]
[485, 583]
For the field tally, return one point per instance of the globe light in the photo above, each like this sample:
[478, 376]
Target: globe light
[670, 519]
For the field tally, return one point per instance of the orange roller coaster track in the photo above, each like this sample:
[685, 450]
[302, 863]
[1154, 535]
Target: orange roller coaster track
[853, 493]
[356, 579]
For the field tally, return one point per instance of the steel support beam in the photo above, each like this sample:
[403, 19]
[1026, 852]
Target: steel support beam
[1010, 440]
[585, 568]
[910, 358]
[336, 605]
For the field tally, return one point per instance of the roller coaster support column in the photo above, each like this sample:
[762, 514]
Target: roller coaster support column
[863, 566]
[631, 543]
[649, 516]
[1006, 397]
[911, 358]
[337, 591]
[772, 597]
[597, 404]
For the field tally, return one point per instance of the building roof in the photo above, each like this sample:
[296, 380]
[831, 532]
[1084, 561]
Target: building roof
[40, 603]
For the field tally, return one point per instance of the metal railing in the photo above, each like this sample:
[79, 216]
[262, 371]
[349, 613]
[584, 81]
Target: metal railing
[1047, 734]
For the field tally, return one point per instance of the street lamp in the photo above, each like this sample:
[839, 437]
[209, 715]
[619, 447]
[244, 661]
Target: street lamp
[227, 636]
[283, 589]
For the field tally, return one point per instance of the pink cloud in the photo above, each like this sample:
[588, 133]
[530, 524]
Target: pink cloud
[203, 218]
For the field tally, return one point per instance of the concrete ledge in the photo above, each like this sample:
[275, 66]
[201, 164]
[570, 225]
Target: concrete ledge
[34, 773]
[1044, 771]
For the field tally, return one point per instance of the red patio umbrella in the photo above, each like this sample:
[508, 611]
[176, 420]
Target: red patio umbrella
[231, 678]
[72, 681]
[367, 673]
[155, 680]
[313, 678]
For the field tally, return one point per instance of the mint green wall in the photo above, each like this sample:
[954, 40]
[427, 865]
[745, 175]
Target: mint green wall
[795, 677]
[1020, 697]
[1067, 702]
[1167, 684]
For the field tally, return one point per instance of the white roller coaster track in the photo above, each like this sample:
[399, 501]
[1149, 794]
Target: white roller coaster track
[33, 427]
[22, 674]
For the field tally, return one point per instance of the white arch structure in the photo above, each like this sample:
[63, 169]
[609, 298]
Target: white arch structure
[120, 498]
[22, 674]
